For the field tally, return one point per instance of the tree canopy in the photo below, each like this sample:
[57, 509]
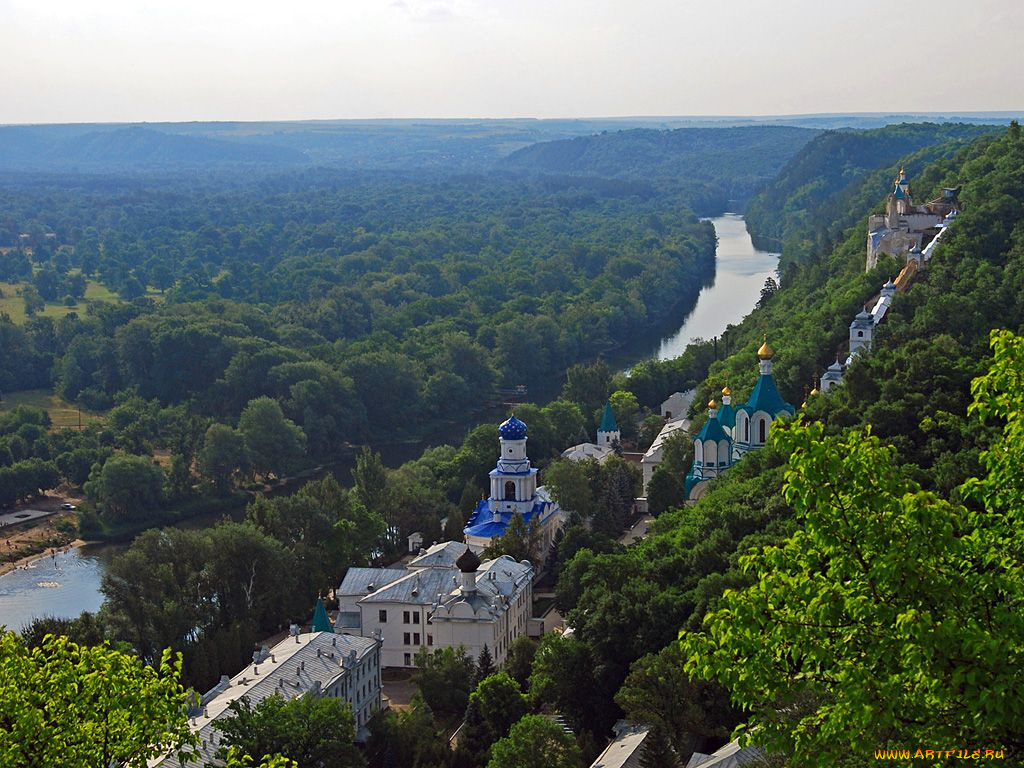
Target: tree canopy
[92, 706]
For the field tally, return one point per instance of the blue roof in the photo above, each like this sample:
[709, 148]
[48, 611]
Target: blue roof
[512, 429]
[727, 416]
[712, 430]
[482, 523]
[899, 191]
[608, 419]
[766, 397]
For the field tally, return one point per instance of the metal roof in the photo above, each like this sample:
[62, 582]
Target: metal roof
[308, 662]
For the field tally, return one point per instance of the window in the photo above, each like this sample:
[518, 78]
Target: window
[408, 659]
[860, 334]
[416, 638]
[405, 638]
[761, 429]
[405, 617]
[383, 616]
[510, 491]
[415, 618]
[430, 639]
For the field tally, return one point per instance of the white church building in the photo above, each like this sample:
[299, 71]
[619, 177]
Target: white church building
[444, 598]
[514, 491]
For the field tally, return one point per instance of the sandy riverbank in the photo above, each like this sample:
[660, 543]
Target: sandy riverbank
[27, 560]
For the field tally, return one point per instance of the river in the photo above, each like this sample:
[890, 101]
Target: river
[69, 584]
[740, 272]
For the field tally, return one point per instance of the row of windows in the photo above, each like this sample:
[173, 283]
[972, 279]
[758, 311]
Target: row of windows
[408, 617]
[415, 638]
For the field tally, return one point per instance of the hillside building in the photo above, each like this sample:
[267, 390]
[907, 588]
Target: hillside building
[905, 226]
[514, 491]
[438, 601]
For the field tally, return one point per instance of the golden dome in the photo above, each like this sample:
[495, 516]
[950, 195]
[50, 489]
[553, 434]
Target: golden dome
[711, 403]
[814, 391]
[726, 391]
[765, 352]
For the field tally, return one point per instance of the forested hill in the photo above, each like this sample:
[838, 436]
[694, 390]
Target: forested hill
[443, 145]
[734, 160]
[815, 196]
[855, 617]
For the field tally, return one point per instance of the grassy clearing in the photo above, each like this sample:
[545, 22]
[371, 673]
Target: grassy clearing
[13, 305]
[62, 413]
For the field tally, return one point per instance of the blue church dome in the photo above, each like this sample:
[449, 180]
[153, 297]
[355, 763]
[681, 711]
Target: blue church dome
[513, 429]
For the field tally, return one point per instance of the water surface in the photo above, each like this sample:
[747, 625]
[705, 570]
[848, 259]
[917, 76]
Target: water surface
[740, 272]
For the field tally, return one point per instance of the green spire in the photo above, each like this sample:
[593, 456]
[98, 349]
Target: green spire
[608, 419]
[320, 621]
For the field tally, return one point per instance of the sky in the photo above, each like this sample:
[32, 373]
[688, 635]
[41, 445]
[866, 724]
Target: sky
[137, 60]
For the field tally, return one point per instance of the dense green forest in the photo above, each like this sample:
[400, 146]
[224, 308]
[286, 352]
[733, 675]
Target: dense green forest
[359, 304]
[732, 162]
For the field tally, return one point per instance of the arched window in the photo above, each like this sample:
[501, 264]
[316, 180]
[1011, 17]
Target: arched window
[860, 334]
[762, 428]
[746, 430]
[510, 491]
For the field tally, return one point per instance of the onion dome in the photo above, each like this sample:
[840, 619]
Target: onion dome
[468, 562]
[814, 391]
[512, 429]
[765, 352]
[726, 391]
[711, 403]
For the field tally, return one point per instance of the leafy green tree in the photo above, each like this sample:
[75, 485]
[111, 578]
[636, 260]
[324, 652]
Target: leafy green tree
[90, 706]
[520, 541]
[323, 528]
[408, 739]
[853, 634]
[519, 661]
[273, 444]
[444, 679]
[501, 703]
[563, 679]
[570, 485]
[627, 412]
[536, 740]
[314, 731]
[223, 456]
[372, 490]
[587, 385]
[691, 714]
[126, 485]
[567, 423]
[235, 759]
[86, 629]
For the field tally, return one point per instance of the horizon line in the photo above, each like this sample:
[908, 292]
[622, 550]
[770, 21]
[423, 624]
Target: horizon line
[1004, 113]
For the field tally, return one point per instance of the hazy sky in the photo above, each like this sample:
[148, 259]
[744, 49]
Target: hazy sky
[128, 60]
